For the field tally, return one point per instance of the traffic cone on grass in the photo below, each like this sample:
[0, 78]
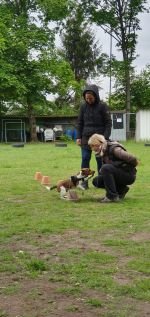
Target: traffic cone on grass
[38, 176]
[45, 180]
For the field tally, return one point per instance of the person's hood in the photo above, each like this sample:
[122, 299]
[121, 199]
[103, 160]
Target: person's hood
[94, 89]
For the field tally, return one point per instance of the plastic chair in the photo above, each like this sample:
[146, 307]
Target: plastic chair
[48, 135]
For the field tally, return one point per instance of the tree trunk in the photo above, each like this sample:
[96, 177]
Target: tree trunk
[32, 124]
[127, 63]
[127, 90]
[77, 100]
[128, 102]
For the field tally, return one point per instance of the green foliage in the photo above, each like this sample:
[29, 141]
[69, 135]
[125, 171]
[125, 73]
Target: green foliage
[79, 46]
[3, 313]
[140, 265]
[22, 78]
[120, 20]
[65, 138]
[36, 265]
[31, 67]
[140, 89]
[95, 302]
[54, 10]
[140, 92]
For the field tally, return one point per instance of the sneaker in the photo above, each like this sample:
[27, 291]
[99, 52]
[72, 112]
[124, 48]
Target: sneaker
[122, 195]
[107, 200]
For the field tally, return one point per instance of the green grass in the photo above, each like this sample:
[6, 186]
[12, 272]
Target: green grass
[94, 257]
[94, 302]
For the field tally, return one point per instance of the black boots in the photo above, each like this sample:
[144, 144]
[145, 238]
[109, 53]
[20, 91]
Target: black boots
[124, 192]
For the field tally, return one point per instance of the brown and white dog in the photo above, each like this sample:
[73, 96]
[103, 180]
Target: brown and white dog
[63, 186]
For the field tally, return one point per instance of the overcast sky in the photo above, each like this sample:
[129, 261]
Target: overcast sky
[142, 49]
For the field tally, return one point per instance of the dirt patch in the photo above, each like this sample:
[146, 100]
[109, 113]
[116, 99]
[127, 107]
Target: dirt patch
[141, 236]
[41, 298]
[122, 279]
[24, 296]
[46, 245]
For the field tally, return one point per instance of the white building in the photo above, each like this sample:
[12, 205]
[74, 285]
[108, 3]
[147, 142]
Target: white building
[142, 125]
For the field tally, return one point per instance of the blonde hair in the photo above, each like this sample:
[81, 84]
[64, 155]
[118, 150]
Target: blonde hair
[96, 139]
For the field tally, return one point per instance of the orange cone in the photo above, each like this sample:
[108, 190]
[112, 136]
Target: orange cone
[45, 180]
[38, 176]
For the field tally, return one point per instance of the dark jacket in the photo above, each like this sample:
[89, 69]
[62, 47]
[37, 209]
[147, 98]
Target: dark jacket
[117, 155]
[94, 118]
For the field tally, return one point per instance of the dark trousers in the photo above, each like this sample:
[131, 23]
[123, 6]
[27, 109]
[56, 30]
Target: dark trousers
[114, 180]
[86, 157]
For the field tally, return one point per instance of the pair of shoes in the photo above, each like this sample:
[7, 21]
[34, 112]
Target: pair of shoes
[124, 192]
[107, 200]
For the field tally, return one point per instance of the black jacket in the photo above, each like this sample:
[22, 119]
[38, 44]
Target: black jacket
[118, 156]
[94, 118]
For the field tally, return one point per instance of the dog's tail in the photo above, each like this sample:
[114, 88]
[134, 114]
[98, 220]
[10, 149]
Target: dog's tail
[53, 187]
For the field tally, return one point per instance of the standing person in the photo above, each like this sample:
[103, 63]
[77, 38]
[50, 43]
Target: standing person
[118, 169]
[94, 117]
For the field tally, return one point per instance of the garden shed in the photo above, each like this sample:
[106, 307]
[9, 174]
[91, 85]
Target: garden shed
[142, 125]
[16, 129]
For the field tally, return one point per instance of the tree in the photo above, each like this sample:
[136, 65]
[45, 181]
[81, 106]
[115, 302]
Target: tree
[27, 53]
[80, 48]
[64, 83]
[119, 18]
[140, 92]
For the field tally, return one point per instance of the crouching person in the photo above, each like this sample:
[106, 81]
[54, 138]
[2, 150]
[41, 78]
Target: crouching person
[118, 169]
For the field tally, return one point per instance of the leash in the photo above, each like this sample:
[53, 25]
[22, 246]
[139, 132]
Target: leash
[88, 177]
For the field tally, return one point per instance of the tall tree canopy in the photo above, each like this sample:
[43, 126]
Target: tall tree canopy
[27, 53]
[120, 19]
[80, 47]
[140, 91]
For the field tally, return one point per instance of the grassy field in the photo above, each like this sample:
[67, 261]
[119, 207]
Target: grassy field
[68, 259]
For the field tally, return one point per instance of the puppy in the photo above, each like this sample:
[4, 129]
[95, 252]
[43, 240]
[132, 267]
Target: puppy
[63, 186]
